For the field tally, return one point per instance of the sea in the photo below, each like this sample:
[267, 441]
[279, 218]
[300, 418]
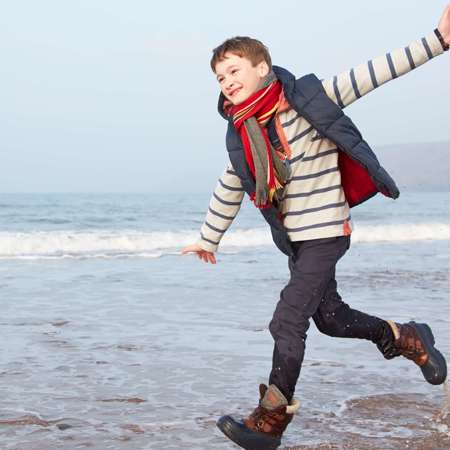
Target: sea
[111, 339]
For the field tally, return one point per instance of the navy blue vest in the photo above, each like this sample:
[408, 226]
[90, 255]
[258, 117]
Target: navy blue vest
[358, 164]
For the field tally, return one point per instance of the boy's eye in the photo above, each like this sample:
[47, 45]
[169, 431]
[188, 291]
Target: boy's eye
[234, 71]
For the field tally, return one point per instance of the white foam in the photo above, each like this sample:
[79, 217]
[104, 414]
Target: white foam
[98, 244]
[125, 243]
[401, 232]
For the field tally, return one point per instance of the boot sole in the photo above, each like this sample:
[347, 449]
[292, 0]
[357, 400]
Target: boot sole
[435, 370]
[245, 438]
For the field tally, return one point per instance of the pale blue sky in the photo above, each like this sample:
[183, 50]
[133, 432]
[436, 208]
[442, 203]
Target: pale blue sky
[115, 96]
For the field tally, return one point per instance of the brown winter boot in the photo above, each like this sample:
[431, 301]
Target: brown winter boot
[262, 430]
[414, 341]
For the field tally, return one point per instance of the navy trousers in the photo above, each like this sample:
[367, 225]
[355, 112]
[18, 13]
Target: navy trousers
[312, 292]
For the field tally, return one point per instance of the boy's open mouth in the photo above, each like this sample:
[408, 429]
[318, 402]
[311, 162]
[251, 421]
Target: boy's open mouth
[232, 93]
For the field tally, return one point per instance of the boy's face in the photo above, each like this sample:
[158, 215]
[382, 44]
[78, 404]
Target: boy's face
[238, 78]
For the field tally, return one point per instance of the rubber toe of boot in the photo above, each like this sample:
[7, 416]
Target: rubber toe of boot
[435, 369]
[246, 438]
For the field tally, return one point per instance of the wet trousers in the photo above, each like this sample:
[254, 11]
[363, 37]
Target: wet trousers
[312, 292]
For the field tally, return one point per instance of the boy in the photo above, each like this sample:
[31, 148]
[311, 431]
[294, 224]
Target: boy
[304, 164]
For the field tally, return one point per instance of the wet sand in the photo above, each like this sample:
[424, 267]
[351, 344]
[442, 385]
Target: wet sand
[135, 354]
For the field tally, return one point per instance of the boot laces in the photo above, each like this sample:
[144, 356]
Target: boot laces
[261, 416]
[410, 343]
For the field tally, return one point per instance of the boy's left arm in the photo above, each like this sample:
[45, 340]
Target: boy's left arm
[347, 87]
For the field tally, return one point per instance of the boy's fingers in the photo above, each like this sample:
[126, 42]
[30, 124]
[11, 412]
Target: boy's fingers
[207, 257]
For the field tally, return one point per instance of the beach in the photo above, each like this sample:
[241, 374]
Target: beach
[112, 340]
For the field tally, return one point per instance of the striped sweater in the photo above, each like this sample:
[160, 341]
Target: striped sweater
[314, 204]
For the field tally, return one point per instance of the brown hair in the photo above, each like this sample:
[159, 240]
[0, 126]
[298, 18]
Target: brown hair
[242, 46]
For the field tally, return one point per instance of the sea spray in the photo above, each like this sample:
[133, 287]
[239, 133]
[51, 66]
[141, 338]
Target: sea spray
[442, 415]
[439, 418]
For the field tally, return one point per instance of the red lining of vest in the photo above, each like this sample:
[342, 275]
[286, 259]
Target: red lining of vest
[355, 180]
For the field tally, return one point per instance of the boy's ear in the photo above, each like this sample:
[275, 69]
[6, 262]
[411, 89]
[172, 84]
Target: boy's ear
[263, 69]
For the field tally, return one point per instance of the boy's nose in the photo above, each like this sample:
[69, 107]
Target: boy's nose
[230, 84]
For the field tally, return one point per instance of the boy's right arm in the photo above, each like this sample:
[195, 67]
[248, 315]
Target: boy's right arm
[223, 208]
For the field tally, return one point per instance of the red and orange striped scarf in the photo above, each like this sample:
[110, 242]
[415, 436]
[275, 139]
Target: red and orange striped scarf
[269, 172]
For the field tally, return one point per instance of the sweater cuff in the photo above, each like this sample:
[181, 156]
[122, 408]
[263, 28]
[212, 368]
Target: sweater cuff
[438, 34]
[207, 246]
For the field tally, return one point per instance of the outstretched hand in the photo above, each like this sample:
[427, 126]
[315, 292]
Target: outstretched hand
[207, 257]
[444, 25]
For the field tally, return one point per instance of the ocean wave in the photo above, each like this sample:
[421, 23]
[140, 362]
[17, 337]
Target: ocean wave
[128, 243]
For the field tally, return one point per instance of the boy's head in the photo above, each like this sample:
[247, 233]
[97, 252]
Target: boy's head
[240, 64]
